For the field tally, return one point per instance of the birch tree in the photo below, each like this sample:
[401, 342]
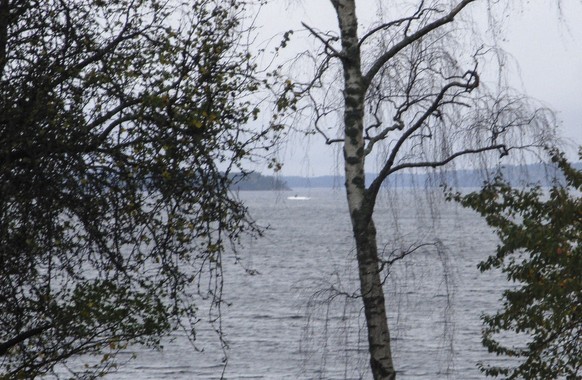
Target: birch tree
[412, 98]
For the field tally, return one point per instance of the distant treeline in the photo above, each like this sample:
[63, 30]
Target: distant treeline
[538, 174]
[256, 181]
[533, 174]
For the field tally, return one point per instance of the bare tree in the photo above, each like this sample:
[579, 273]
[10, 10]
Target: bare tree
[412, 98]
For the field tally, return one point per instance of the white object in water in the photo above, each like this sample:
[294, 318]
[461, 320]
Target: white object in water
[298, 198]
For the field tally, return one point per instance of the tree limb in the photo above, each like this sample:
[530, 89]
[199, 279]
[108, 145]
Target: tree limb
[324, 41]
[416, 16]
[403, 253]
[434, 164]
[4, 347]
[472, 83]
[406, 41]
[398, 125]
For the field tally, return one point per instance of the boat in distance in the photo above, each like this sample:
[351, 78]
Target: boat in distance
[298, 198]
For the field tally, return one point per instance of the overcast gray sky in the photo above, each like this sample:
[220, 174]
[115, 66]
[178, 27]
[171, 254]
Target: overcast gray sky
[544, 43]
[549, 53]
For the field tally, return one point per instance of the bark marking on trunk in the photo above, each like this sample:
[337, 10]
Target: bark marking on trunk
[360, 206]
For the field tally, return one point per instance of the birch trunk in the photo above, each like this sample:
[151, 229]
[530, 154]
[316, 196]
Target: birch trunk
[360, 206]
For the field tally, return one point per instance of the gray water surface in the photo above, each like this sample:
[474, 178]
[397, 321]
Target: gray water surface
[290, 321]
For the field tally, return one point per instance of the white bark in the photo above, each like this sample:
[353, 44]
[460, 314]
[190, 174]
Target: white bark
[359, 204]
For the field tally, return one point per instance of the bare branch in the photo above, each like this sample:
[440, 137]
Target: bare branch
[472, 83]
[321, 69]
[434, 164]
[399, 125]
[402, 254]
[326, 42]
[417, 15]
[318, 116]
[407, 40]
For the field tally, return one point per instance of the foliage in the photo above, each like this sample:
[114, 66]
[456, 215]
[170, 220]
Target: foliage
[541, 253]
[119, 124]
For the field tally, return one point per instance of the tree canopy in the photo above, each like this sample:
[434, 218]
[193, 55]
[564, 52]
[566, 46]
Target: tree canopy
[119, 124]
[540, 251]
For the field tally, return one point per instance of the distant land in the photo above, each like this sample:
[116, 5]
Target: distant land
[534, 174]
[256, 181]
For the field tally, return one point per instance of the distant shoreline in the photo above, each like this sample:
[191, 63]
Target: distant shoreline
[533, 174]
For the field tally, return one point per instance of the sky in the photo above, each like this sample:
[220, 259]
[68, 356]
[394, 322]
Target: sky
[549, 52]
[544, 45]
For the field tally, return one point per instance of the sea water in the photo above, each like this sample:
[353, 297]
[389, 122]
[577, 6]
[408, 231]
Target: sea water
[299, 316]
